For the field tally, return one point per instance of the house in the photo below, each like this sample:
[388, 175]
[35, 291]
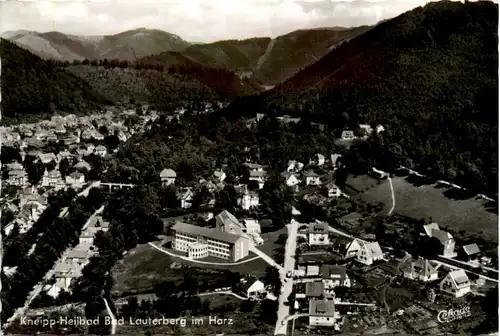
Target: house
[318, 160]
[311, 178]
[63, 155]
[259, 176]
[379, 128]
[332, 190]
[254, 288]
[199, 242]
[445, 238]
[60, 129]
[346, 247]
[421, 269]
[87, 237]
[51, 137]
[335, 275]
[290, 179]
[365, 130]
[259, 116]
[101, 150]
[315, 289]
[347, 135]
[47, 157]
[249, 200]
[294, 166]
[318, 234]
[226, 222]
[51, 179]
[219, 176]
[322, 313]
[167, 176]
[186, 198]
[254, 167]
[82, 165]
[369, 252]
[75, 179]
[252, 226]
[18, 178]
[334, 159]
[78, 256]
[470, 253]
[456, 283]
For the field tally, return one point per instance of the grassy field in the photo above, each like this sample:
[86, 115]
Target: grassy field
[428, 201]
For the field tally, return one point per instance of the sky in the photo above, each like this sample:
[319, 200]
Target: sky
[196, 20]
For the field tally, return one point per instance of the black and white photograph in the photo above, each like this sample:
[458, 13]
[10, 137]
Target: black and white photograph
[249, 167]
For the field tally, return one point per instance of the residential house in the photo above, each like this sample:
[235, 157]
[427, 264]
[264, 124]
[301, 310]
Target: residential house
[249, 200]
[255, 167]
[346, 247]
[167, 176]
[186, 198]
[315, 289]
[75, 179]
[334, 159]
[347, 135]
[365, 130]
[18, 178]
[40, 135]
[259, 176]
[369, 252]
[456, 283]
[294, 166]
[101, 150]
[51, 137]
[219, 176]
[47, 157]
[379, 128]
[51, 179]
[63, 155]
[318, 234]
[290, 179]
[322, 313]
[64, 274]
[319, 160]
[252, 226]
[470, 253]
[311, 178]
[259, 116]
[87, 134]
[78, 256]
[87, 237]
[445, 238]
[60, 129]
[420, 269]
[90, 149]
[335, 276]
[332, 190]
[200, 242]
[254, 289]
[82, 165]
[227, 222]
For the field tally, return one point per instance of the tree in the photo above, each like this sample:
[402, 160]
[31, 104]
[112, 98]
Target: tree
[268, 311]
[272, 278]
[247, 306]
[65, 166]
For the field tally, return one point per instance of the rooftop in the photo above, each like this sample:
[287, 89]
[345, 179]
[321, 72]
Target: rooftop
[205, 232]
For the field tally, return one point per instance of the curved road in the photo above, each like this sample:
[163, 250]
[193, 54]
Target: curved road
[224, 293]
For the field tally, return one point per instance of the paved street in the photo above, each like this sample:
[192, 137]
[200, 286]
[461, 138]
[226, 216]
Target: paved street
[286, 284]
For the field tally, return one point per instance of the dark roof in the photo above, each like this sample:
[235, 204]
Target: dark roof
[333, 272]
[320, 227]
[315, 289]
[205, 232]
[310, 173]
[322, 307]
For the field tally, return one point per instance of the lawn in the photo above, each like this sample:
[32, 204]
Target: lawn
[428, 201]
[144, 267]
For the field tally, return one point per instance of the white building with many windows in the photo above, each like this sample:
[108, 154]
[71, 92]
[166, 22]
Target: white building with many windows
[200, 242]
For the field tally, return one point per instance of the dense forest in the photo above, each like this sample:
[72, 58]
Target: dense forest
[428, 76]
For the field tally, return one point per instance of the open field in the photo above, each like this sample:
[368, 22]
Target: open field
[428, 201]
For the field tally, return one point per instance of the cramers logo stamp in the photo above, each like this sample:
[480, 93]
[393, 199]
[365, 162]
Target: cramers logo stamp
[446, 316]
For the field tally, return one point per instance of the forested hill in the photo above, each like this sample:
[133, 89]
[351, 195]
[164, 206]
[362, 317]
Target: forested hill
[32, 87]
[430, 76]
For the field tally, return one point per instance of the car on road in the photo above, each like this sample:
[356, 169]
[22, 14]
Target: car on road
[289, 274]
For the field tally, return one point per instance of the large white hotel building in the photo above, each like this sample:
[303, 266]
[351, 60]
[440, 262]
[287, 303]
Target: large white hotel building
[201, 242]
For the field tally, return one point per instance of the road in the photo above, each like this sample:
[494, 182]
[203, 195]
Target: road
[392, 195]
[223, 293]
[286, 284]
[112, 316]
[265, 257]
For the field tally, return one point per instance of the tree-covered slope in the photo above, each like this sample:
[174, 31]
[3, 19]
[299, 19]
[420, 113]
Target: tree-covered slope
[31, 86]
[430, 76]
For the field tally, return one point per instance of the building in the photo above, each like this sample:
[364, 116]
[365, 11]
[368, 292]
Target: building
[346, 247]
[75, 179]
[379, 128]
[445, 238]
[456, 283]
[369, 252]
[421, 269]
[319, 160]
[290, 179]
[333, 190]
[197, 251]
[322, 313]
[334, 159]
[18, 178]
[315, 289]
[167, 176]
[365, 130]
[311, 178]
[63, 155]
[101, 150]
[87, 237]
[249, 200]
[470, 253]
[219, 176]
[252, 226]
[47, 157]
[78, 257]
[318, 234]
[260, 176]
[216, 243]
[347, 135]
[186, 198]
[252, 167]
[294, 166]
[227, 222]
[254, 289]
[335, 275]
[82, 165]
